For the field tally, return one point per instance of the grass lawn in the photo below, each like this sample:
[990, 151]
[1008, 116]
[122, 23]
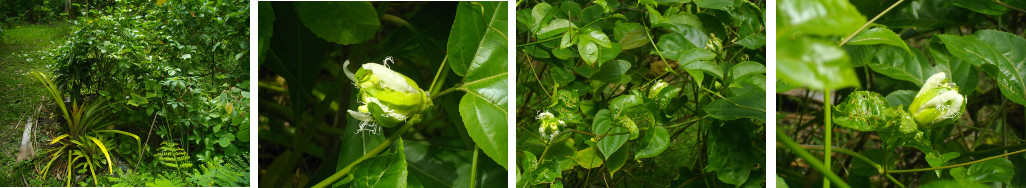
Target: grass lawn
[20, 94]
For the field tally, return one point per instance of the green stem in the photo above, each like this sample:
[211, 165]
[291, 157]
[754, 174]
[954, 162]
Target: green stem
[852, 35]
[844, 151]
[443, 92]
[473, 168]
[956, 165]
[381, 147]
[826, 156]
[431, 89]
[812, 161]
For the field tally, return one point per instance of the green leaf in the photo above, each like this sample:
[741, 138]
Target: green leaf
[540, 14]
[953, 184]
[588, 158]
[630, 35]
[529, 162]
[814, 64]
[714, 4]
[997, 53]
[817, 17]
[747, 105]
[603, 124]
[746, 68]
[898, 64]
[878, 35]
[901, 97]
[554, 28]
[671, 45]
[226, 140]
[137, 100]
[612, 72]
[936, 160]
[617, 160]
[862, 111]
[474, 28]
[654, 143]
[730, 154]
[266, 29]
[340, 22]
[995, 170]
[753, 41]
[483, 108]
[437, 166]
[388, 170]
[984, 7]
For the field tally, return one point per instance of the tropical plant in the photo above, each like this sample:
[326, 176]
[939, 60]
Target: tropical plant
[232, 173]
[932, 93]
[343, 82]
[640, 93]
[87, 127]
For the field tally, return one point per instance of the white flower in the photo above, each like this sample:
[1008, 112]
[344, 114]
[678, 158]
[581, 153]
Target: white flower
[937, 103]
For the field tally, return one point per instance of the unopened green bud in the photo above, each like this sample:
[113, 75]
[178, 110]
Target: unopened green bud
[658, 87]
[937, 103]
[388, 97]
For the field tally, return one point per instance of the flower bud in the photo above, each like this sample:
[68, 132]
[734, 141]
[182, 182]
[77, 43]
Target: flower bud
[388, 97]
[550, 125]
[656, 88]
[937, 103]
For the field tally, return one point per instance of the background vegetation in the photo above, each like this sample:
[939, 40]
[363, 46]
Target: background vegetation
[170, 72]
[886, 50]
[640, 93]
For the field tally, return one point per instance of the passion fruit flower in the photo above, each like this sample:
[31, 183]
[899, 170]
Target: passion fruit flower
[550, 125]
[937, 103]
[387, 97]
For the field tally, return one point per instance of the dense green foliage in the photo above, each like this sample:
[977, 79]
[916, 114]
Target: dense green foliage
[932, 93]
[380, 94]
[640, 93]
[131, 75]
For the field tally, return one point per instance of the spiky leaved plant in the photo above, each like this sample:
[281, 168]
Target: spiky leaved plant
[86, 125]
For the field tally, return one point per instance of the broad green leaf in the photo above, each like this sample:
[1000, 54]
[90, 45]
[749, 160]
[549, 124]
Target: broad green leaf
[436, 166]
[746, 68]
[898, 64]
[995, 170]
[608, 54]
[388, 170]
[901, 97]
[936, 160]
[953, 184]
[747, 105]
[999, 54]
[547, 173]
[693, 55]
[602, 125]
[878, 35]
[137, 100]
[704, 66]
[617, 160]
[340, 22]
[475, 27]
[266, 29]
[714, 4]
[816, 17]
[671, 45]
[814, 64]
[529, 162]
[593, 34]
[730, 154]
[588, 50]
[483, 108]
[612, 72]
[984, 7]
[554, 28]
[541, 13]
[630, 35]
[753, 41]
[862, 111]
[960, 71]
[589, 158]
[654, 143]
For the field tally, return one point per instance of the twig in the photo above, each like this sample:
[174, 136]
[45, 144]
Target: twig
[154, 122]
